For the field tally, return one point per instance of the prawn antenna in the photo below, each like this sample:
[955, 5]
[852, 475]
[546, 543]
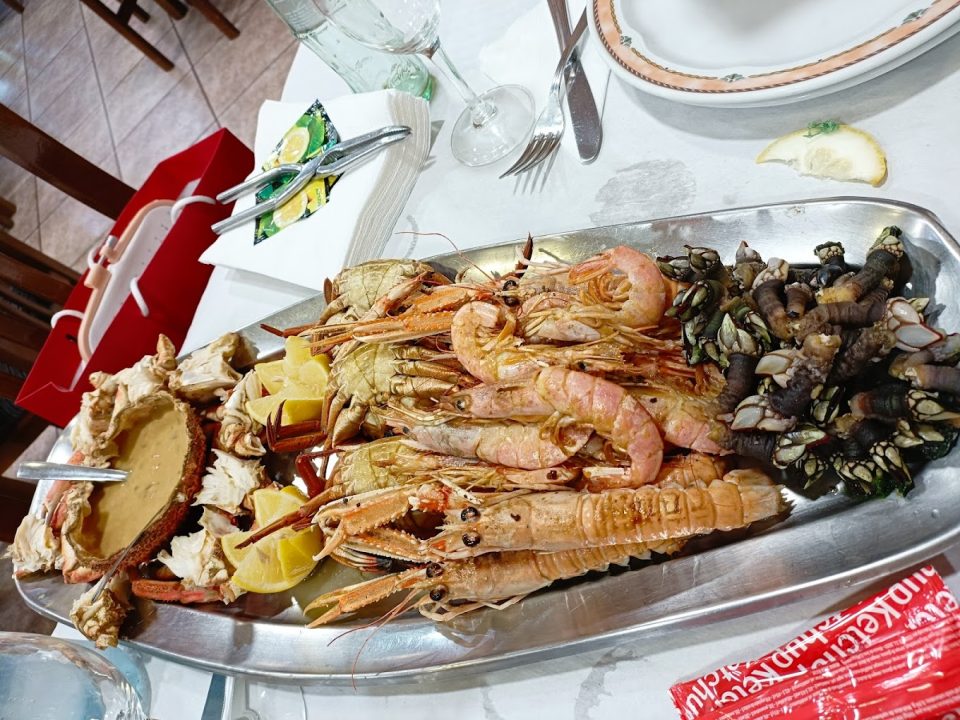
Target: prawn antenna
[457, 250]
[376, 624]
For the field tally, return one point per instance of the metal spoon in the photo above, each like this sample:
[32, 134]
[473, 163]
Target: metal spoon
[36, 471]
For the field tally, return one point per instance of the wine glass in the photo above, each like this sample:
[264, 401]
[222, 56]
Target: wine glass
[493, 123]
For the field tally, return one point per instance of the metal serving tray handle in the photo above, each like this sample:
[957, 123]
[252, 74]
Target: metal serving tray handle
[828, 543]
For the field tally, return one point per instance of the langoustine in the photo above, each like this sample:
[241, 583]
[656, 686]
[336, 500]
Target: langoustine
[568, 520]
[444, 590]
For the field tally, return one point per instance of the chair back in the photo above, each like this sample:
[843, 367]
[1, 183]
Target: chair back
[32, 288]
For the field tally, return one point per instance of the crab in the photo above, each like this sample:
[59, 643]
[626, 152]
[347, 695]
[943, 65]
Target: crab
[208, 373]
[239, 433]
[228, 481]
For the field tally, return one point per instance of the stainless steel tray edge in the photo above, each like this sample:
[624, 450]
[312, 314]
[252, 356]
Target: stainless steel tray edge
[683, 593]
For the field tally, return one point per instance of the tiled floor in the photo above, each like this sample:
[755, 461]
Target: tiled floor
[77, 79]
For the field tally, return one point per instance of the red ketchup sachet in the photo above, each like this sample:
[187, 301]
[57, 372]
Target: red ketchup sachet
[893, 656]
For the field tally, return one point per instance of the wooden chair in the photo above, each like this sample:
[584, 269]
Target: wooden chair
[7, 211]
[32, 288]
[15, 4]
[53, 162]
[119, 20]
[15, 496]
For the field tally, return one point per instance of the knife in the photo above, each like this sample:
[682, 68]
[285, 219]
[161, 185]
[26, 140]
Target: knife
[583, 108]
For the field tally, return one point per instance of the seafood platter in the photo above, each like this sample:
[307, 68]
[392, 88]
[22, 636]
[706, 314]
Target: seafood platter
[522, 450]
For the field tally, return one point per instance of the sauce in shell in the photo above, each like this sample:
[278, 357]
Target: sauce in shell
[153, 451]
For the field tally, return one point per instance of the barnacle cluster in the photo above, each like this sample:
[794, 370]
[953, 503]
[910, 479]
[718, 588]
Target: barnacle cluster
[828, 368]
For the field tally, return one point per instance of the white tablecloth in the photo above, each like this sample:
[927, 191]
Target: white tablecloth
[658, 159]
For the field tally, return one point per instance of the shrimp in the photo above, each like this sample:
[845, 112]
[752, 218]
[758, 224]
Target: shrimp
[683, 419]
[693, 470]
[485, 344]
[581, 398]
[511, 444]
[391, 463]
[496, 580]
[679, 471]
[570, 520]
[551, 316]
[620, 289]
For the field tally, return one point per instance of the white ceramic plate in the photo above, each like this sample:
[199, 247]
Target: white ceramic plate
[754, 52]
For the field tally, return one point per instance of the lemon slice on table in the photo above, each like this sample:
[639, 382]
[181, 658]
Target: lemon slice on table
[279, 561]
[830, 150]
[295, 144]
[291, 211]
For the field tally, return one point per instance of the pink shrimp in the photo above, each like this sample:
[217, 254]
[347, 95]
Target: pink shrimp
[485, 344]
[552, 316]
[693, 470]
[582, 398]
[620, 291]
[645, 294]
[510, 444]
[611, 412]
[683, 419]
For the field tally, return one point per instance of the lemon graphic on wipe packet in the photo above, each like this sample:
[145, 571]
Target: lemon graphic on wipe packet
[295, 144]
[291, 211]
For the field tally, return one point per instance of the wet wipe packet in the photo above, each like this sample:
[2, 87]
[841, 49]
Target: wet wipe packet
[895, 655]
[311, 134]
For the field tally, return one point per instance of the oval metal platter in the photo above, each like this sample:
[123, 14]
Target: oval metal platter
[830, 542]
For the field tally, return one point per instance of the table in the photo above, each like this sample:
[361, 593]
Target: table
[658, 159]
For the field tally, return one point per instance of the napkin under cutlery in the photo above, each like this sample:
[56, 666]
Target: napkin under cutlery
[363, 206]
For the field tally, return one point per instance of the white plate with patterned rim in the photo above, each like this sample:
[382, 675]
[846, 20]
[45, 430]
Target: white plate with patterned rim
[745, 53]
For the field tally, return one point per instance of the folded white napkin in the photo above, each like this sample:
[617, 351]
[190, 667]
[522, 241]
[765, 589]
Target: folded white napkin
[364, 204]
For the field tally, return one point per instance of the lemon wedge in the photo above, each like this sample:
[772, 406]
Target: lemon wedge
[299, 404]
[296, 351]
[271, 375]
[279, 561]
[271, 504]
[300, 410]
[314, 374]
[830, 150]
[295, 144]
[299, 379]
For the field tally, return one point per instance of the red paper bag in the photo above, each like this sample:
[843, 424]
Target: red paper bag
[171, 284]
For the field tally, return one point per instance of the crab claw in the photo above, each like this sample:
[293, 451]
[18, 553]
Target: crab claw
[307, 471]
[290, 438]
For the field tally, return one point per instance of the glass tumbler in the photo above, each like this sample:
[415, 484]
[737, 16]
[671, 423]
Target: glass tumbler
[46, 677]
[363, 69]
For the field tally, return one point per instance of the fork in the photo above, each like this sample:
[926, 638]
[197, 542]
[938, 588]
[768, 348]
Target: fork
[549, 126]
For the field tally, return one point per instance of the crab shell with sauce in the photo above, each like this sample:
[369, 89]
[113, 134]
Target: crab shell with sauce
[161, 444]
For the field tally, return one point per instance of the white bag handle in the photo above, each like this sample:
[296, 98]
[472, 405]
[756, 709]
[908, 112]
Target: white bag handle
[55, 318]
[180, 204]
[175, 211]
